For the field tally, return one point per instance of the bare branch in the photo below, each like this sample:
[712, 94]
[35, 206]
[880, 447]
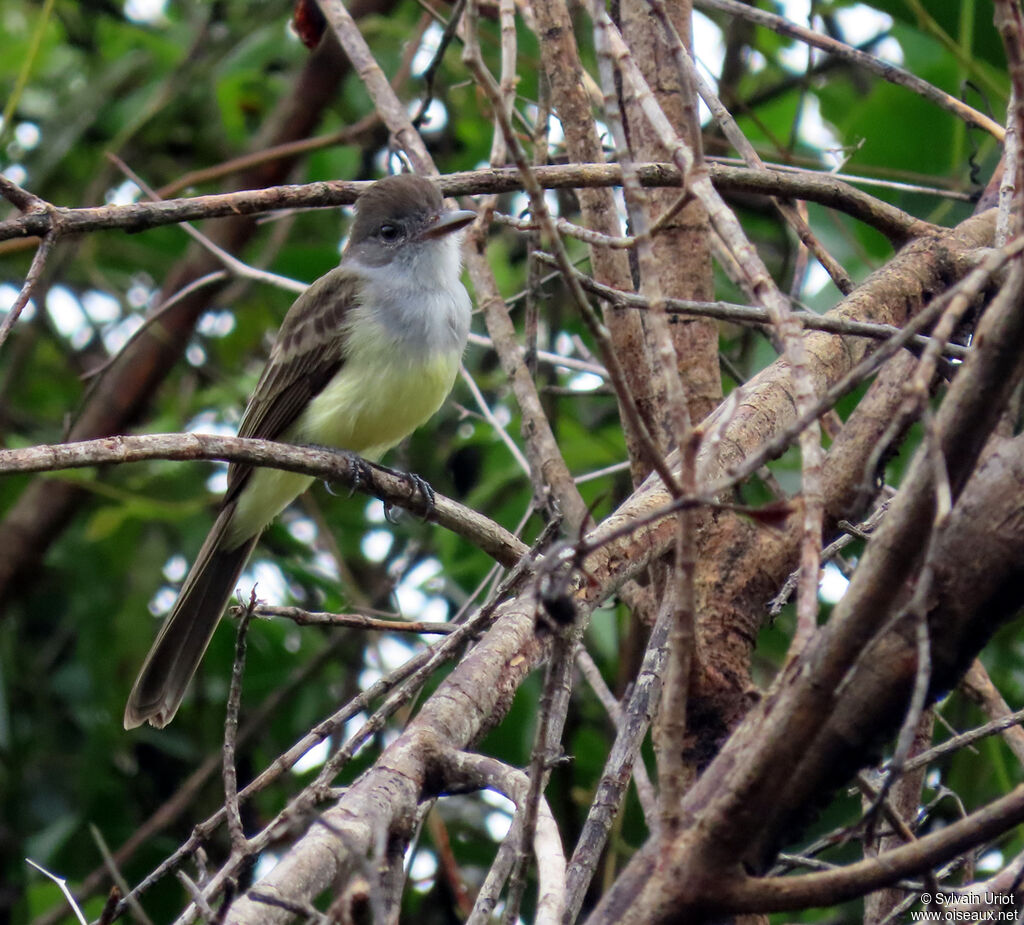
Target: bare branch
[874, 65]
[332, 465]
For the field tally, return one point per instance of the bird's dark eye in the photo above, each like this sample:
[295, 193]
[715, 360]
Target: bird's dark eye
[390, 232]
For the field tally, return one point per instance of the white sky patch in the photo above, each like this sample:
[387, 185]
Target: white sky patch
[411, 601]
[563, 344]
[376, 545]
[424, 571]
[833, 585]
[162, 601]
[66, 312]
[368, 677]
[325, 564]
[991, 862]
[502, 415]
[303, 529]
[519, 204]
[794, 57]
[709, 55]
[217, 483]
[556, 134]
[27, 135]
[353, 726]
[216, 323]
[100, 306]
[585, 382]
[889, 50]
[859, 23]
[429, 45]
[175, 568]
[817, 278]
[619, 195]
[707, 39]
[117, 335]
[423, 866]
[393, 652]
[497, 825]
[498, 822]
[313, 758]
[414, 602]
[209, 422]
[268, 578]
[814, 130]
[16, 174]
[8, 296]
[266, 863]
[148, 12]
[374, 512]
[123, 195]
[435, 611]
[141, 291]
[797, 10]
[551, 200]
[434, 119]
[195, 355]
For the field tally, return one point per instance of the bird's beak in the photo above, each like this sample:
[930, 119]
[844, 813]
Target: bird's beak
[446, 223]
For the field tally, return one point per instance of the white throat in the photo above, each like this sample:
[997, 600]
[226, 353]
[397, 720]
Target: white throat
[418, 297]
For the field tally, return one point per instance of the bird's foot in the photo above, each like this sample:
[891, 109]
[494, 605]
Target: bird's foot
[360, 478]
[419, 486]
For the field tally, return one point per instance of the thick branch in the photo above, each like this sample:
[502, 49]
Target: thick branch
[327, 464]
[774, 894]
[140, 216]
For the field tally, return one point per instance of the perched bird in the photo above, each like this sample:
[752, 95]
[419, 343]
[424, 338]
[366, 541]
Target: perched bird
[365, 355]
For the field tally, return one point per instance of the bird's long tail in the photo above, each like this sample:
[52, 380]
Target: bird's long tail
[186, 633]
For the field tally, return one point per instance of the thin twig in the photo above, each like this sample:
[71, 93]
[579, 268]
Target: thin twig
[877, 66]
[752, 314]
[234, 816]
[622, 757]
[761, 284]
[353, 621]
[231, 263]
[786, 207]
[552, 711]
[538, 206]
[63, 886]
[35, 271]
[430, 74]
[644, 788]
[496, 426]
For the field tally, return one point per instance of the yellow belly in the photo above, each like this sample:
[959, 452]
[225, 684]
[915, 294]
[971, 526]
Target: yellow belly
[370, 405]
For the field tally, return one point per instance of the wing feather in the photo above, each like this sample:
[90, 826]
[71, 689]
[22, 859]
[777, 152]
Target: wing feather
[307, 353]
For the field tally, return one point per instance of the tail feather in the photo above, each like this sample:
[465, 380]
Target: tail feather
[186, 633]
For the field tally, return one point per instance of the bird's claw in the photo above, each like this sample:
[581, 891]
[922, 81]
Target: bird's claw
[426, 492]
[360, 477]
[420, 486]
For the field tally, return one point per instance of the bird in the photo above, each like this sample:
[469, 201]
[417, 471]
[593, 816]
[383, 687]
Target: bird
[363, 357]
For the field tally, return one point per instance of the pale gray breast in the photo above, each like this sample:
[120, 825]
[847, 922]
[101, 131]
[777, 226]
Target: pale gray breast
[418, 297]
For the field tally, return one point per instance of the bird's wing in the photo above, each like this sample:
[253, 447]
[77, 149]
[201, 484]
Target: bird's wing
[308, 351]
